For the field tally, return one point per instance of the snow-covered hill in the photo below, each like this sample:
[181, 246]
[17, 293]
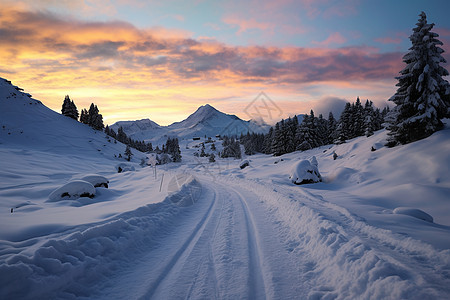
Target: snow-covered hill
[205, 121]
[27, 124]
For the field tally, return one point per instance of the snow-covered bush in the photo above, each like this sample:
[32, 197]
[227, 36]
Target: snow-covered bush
[244, 164]
[123, 167]
[305, 171]
[96, 180]
[414, 212]
[73, 190]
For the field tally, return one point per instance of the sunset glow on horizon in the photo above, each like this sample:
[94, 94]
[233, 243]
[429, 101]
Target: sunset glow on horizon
[145, 59]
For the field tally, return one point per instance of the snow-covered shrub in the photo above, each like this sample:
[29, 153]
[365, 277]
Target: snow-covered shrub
[96, 180]
[414, 212]
[305, 171]
[73, 190]
[244, 164]
[123, 167]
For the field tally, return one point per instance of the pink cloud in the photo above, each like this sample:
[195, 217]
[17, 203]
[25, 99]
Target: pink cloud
[245, 24]
[335, 38]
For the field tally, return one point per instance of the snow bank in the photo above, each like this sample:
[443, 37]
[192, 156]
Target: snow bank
[183, 190]
[305, 171]
[66, 265]
[414, 212]
[72, 191]
[96, 180]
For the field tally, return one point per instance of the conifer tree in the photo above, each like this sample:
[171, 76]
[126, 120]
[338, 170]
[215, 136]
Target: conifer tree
[84, 117]
[95, 118]
[423, 95]
[128, 153]
[69, 109]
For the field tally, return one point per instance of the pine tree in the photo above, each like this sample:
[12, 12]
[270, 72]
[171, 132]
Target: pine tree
[95, 119]
[69, 109]
[84, 117]
[331, 128]
[128, 153]
[212, 158]
[423, 96]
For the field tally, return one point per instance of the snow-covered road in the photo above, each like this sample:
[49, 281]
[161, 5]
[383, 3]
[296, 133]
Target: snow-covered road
[225, 237]
[243, 240]
[224, 248]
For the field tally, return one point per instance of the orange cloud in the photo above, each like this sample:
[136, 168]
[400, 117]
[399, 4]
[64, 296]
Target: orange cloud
[124, 68]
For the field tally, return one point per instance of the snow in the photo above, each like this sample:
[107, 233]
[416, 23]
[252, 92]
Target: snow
[206, 230]
[305, 171]
[96, 180]
[414, 212]
[73, 190]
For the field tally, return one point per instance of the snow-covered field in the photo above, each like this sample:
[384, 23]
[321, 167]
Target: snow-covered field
[203, 230]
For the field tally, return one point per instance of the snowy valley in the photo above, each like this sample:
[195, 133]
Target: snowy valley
[213, 230]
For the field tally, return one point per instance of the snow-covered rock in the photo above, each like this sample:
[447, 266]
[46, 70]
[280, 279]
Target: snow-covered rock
[414, 212]
[96, 180]
[305, 171]
[73, 190]
[244, 163]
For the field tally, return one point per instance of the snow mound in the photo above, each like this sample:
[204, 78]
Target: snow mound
[73, 190]
[243, 164]
[183, 190]
[96, 180]
[123, 167]
[414, 212]
[305, 171]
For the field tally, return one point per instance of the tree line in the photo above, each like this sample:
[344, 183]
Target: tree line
[94, 119]
[291, 135]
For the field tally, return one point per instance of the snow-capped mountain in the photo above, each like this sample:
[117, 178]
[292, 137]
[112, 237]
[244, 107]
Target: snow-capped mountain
[205, 121]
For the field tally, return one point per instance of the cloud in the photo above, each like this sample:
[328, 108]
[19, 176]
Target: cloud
[329, 104]
[335, 38]
[65, 54]
[246, 24]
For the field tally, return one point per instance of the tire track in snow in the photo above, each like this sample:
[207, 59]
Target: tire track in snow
[185, 247]
[257, 286]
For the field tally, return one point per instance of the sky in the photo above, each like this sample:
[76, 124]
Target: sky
[163, 59]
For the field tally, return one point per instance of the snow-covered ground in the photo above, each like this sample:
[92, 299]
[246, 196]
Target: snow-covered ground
[204, 230]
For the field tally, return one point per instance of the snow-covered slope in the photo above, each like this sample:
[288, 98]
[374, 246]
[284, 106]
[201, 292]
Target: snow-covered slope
[206, 120]
[27, 124]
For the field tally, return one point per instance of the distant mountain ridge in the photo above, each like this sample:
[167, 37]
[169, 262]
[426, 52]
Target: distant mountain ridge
[205, 121]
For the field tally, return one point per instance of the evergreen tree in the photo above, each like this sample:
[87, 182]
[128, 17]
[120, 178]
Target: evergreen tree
[423, 96]
[331, 128]
[121, 135]
[95, 118]
[212, 158]
[128, 153]
[69, 109]
[84, 117]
